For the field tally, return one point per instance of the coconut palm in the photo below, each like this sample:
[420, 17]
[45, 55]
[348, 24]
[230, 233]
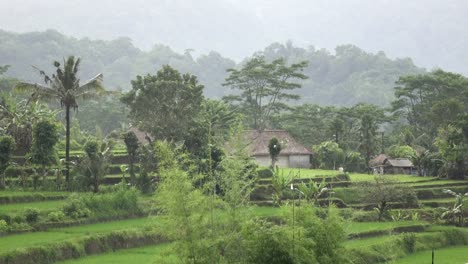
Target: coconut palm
[64, 87]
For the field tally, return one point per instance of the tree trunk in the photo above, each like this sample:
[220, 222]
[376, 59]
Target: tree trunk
[96, 183]
[131, 171]
[44, 176]
[2, 180]
[67, 147]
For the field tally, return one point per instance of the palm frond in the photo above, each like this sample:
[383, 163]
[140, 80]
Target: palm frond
[25, 87]
[91, 87]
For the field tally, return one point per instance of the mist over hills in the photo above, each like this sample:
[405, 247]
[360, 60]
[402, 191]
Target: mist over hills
[431, 32]
[346, 76]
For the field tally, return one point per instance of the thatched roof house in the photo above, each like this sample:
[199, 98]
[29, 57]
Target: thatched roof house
[143, 137]
[383, 164]
[293, 154]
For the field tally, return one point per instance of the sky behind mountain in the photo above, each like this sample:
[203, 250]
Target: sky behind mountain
[432, 32]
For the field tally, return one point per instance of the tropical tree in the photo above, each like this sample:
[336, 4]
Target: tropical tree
[383, 191]
[7, 146]
[45, 137]
[456, 213]
[131, 142]
[264, 88]
[313, 190]
[95, 163]
[329, 154]
[165, 104]
[274, 148]
[64, 86]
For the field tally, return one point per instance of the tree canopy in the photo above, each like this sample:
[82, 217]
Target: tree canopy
[165, 104]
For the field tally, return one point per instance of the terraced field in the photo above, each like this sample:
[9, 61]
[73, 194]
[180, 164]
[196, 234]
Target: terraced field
[361, 235]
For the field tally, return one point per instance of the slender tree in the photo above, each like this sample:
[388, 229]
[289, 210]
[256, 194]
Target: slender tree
[45, 137]
[131, 142]
[264, 88]
[64, 87]
[274, 148]
[7, 146]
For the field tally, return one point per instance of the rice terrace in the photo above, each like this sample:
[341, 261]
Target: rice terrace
[157, 148]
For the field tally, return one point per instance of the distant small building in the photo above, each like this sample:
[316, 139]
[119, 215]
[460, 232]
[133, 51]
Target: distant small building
[292, 155]
[143, 137]
[383, 164]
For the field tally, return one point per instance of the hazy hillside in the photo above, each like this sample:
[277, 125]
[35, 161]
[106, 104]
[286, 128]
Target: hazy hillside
[343, 77]
[431, 32]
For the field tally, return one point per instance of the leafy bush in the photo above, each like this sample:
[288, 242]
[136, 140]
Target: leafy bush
[265, 173]
[75, 207]
[31, 215]
[3, 226]
[5, 218]
[408, 241]
[364, 216]
[56, 216]
[18, 219]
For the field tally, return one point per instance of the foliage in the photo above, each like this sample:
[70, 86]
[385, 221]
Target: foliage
[430, 101]
[406, 151]
[455, 215]
[383, 191]
[56, 216]
[64, 87]
[274, 148]
[7, 146]
[280, 183]
[95, 163]
[31, 215]
[452, 142]
[19, 116]
[45, 137]
[165, 104]
[313, 190]
[131, 143]
[329, 155]
[75, 207]
[264, 88]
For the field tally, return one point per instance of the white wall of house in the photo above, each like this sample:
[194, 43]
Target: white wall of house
[285, 161]
[299, 161]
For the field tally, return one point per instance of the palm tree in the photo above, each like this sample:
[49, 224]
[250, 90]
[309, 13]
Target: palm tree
[64, 87]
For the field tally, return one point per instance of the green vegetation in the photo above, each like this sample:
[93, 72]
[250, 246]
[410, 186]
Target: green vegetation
[143, 255]
[453, 255]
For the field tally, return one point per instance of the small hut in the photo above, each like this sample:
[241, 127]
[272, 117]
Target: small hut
[383, 164]
[292, 155]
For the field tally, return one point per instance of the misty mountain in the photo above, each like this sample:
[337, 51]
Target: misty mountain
[431, 32]
[344, 77]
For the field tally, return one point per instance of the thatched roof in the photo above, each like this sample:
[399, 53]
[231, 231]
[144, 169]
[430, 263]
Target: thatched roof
[378, 161]
[143, 137]
[400, 163]
[384, 160]
[258, 142]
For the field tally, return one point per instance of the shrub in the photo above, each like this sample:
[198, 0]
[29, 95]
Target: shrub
[56, 216]
[265, 173]
[408, 241]
[18, 219]
[76, 208]
[364, 216]
[5, 218]
[13, 171]
[3, 226]
[31, 215]
[455, 237]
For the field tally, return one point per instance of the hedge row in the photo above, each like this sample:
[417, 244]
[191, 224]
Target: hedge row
[77, 248]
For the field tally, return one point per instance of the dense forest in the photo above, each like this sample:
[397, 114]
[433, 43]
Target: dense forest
[345, 76]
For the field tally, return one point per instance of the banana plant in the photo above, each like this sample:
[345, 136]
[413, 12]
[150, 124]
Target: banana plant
[314, 190]
[455, 214]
